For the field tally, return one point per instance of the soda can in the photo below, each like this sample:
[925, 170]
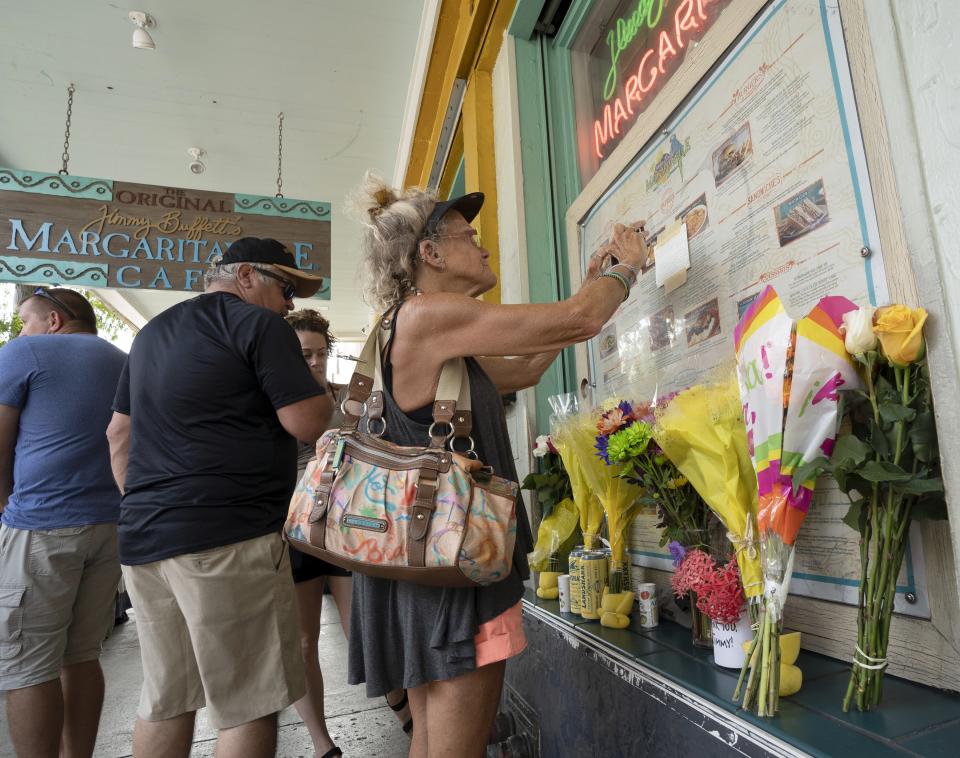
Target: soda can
[574, 563]
[647, 605]
[563, 582]
[593, 578]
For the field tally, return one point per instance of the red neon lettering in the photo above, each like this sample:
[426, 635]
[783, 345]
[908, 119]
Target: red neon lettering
[630, 90]
[666, 46]
[653, 72]
[602, 132]
[619, 114]
[687, 23]
[701, 4]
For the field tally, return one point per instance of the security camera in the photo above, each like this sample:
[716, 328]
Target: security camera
[197, 166]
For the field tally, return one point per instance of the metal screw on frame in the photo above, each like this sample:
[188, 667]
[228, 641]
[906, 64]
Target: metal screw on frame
[280, 154]
[66, 135]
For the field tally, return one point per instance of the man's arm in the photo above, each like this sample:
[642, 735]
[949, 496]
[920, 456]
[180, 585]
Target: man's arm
[307, 419]
[118, 436]
[9, 426]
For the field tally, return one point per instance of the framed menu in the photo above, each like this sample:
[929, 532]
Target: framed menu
[764, 162]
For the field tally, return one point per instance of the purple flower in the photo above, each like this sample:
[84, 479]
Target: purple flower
[602, 442]
[677, 552]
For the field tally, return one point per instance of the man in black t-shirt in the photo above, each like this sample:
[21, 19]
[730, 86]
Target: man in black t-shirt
[207, 413]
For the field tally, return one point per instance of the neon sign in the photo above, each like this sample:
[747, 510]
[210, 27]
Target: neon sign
[658, 63]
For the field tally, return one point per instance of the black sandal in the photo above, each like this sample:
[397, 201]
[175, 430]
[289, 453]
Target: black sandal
[332, 752]
[408, 726]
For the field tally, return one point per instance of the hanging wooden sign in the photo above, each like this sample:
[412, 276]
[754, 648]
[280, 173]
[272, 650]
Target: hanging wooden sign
[101, 233]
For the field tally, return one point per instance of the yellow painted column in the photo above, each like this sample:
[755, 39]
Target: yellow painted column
[480, 169]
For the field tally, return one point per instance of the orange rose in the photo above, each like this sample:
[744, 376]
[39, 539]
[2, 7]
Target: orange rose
[900, 331]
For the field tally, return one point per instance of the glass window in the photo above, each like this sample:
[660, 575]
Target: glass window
[623, 55]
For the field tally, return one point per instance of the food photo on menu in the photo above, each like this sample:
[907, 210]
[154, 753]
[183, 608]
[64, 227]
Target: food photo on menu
[695, 216]
[661, 329]
[802, 213]
[732, 154]
[702, 323]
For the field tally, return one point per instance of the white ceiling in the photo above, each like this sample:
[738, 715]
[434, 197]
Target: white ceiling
[222, 70]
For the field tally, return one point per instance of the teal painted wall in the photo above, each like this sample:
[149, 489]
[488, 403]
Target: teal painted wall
[551, 178]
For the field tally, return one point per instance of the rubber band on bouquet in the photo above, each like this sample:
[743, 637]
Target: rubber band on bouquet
[878, 663]
[747, 544]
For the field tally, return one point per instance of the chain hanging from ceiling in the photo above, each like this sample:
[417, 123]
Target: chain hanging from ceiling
[280, 154]
[65, 158]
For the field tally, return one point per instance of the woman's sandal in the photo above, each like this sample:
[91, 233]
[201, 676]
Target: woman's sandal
[332, 752]
[396, 708]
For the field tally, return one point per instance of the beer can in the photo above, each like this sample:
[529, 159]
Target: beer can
[574, 563]
[563, 582]
[593, 578]
[649, 611]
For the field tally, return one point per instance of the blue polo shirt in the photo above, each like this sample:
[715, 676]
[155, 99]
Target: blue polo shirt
[63, 385]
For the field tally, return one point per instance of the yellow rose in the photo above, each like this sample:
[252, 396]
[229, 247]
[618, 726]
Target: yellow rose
[900, 331]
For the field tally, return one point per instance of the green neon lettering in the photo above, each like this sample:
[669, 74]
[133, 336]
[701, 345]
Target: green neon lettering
[624, 31]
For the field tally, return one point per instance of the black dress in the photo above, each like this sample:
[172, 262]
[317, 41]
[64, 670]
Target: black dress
[404, 634]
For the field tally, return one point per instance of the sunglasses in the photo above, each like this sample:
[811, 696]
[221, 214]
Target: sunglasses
[289, 289]
[41, 292]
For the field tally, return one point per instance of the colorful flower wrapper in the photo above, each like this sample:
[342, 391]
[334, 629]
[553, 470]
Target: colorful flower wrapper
[789, 384]
[790, 377]
[701, 431]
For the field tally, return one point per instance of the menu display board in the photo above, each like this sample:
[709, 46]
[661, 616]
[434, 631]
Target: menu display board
[764, 163]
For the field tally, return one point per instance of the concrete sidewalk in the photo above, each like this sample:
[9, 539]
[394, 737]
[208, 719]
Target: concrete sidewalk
[362, 728]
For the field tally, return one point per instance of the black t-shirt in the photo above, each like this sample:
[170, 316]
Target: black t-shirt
[209, 462]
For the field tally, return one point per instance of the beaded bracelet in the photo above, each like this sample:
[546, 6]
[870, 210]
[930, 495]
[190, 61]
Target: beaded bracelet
[632, 269]
[620, 278]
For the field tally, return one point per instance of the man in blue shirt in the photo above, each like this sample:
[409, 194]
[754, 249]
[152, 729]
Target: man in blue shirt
[59, 568]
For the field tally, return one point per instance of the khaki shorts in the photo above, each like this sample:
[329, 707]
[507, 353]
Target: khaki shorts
[218, 628]
[58, 592]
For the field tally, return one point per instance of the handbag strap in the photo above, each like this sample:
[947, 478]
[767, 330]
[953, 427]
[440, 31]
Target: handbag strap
[451, 412]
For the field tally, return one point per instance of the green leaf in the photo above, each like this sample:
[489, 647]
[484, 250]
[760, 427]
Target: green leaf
[849, 452]
[809, 470]
[878, 440]
[882, 471]
[893, 412]
[920, 486]
[933, 507]
[923, 436]
[856, 517]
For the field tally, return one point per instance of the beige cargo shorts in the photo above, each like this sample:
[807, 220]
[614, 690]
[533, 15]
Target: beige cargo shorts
[218, 628]
[57, 599]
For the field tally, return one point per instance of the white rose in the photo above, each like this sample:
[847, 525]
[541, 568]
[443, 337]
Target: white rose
[540, 449]
[858, 331]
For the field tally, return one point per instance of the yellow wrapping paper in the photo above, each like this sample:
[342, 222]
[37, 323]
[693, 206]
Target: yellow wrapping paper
[588, 507]
[554, 530]
[701, 431]
[617, 496]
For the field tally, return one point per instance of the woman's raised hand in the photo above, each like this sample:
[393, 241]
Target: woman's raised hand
[631, 245]
[599, 261]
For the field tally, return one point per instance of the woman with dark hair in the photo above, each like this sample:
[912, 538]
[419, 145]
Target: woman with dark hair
[311, 575]
[423, 268]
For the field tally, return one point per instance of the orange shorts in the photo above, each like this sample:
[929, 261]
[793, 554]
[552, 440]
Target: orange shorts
[502, 637]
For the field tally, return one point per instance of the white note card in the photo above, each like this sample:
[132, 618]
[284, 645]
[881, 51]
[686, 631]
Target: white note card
[672, 255]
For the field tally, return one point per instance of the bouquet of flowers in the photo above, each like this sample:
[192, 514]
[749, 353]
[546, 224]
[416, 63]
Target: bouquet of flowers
[718, 588]
[790, 376]
[558, 512]
[889, 467]
[701, 432]
[626, 441]
[617, 496]
[568, 438]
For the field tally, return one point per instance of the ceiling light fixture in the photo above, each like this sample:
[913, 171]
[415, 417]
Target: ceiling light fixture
[141, 37]
[197, 166]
